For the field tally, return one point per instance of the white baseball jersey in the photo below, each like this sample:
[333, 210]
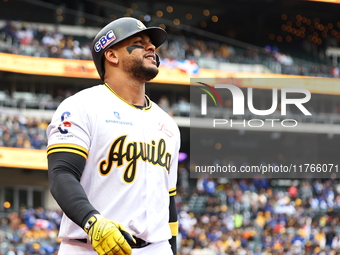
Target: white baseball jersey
[132, 155]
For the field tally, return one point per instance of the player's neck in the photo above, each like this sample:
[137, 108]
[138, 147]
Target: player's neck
[132, 92]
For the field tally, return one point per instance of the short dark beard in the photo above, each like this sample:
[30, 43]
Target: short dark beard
[137, 70]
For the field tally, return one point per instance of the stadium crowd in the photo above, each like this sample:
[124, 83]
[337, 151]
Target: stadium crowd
[26, 39]
[254, 216]
[241, 216]
[22, 132]
[216, 216]
[30, 231]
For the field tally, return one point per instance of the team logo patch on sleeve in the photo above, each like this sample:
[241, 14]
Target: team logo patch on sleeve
[65, 124]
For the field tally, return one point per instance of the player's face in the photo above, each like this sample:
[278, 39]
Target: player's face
[139, 57]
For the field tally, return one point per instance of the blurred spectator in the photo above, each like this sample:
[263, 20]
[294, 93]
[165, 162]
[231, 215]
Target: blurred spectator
[182, 107]
[164, 103]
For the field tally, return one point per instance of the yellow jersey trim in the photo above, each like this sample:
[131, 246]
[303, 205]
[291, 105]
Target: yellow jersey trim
[174, 228]
[146, 98]
[172, 192]
[67, 148]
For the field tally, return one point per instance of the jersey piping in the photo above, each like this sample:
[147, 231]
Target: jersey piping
[172, 192]
[148, 107]
[68, 148]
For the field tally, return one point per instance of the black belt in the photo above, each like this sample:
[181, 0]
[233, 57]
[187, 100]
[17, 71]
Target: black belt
[140, 243]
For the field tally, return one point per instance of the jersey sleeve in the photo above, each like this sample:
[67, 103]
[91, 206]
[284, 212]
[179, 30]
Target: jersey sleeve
[69, 130]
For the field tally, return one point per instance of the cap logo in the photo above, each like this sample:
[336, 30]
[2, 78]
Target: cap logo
[140, 25]
[104, 41]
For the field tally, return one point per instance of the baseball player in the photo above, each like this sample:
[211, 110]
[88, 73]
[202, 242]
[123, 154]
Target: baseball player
[112, 152]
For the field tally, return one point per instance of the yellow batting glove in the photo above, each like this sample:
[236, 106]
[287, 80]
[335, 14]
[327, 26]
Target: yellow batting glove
[108, 237]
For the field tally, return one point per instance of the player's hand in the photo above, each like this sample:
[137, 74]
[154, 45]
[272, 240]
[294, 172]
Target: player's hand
[107, 237]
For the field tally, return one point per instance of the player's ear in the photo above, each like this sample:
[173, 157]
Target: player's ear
[111, 56]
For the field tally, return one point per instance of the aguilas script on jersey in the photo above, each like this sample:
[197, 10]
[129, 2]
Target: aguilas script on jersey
[131, 152]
